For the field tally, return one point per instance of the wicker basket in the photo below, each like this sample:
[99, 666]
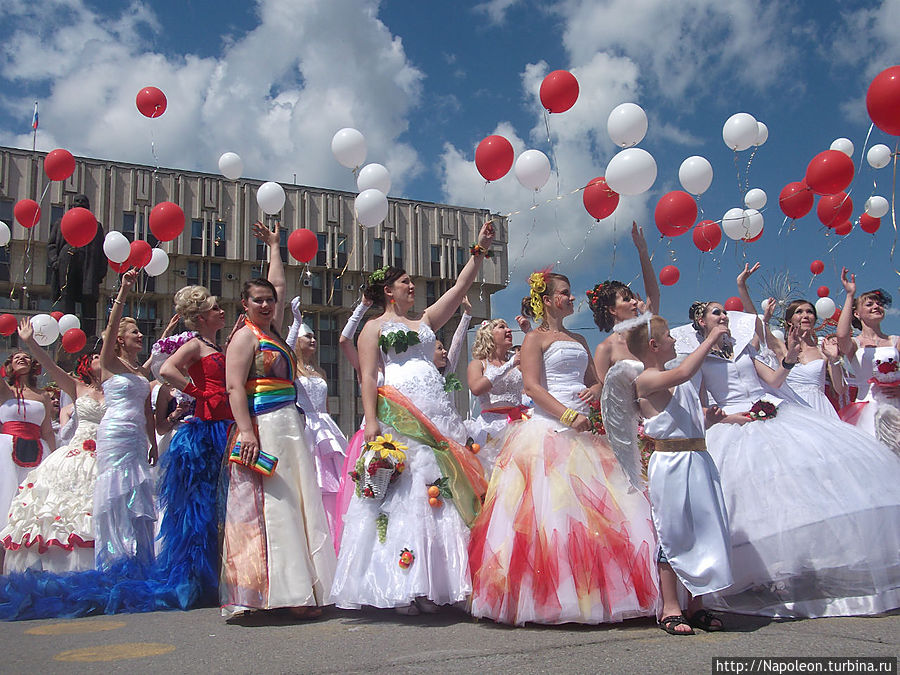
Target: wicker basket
[379, 482]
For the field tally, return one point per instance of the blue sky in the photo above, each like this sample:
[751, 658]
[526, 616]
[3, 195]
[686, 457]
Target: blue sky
[425, 82]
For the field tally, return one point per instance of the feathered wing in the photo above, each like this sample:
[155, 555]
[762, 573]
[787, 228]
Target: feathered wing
[620, 412]
[887, 427]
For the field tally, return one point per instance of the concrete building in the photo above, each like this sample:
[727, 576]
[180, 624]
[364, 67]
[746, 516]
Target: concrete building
[217, 250]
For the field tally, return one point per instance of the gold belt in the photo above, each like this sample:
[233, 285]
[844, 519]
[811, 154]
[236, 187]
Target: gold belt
[679, 444]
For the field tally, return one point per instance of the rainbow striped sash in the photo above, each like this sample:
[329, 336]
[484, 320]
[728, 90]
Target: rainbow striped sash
[270, 393]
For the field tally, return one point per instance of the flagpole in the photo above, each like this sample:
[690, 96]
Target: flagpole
[34, 127]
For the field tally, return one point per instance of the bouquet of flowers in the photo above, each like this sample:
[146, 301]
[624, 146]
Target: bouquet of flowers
[762, 410]
[382, 462]
[887, 373]
[595, 417]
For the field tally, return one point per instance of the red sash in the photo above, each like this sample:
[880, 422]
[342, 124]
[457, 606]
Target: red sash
[27, 450]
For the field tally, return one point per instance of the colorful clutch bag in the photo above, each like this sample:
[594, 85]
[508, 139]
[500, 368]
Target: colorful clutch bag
[265, 463]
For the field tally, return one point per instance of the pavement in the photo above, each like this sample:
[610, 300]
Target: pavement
[379, 641]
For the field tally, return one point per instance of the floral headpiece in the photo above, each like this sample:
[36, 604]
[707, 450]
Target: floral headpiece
[594, 293]
[538, 284]
[378, 275]
[883, 296]
[698, 309]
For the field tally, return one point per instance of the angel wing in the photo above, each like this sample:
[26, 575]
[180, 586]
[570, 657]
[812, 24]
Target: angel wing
[887, 427]
[620, 417]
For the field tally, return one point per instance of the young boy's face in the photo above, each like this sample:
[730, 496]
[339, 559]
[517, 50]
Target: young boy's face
[665, 346]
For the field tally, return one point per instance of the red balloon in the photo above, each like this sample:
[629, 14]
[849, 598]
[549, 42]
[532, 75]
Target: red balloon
[795, 200]
[844, 228]
[756, 238]
[494, 157]
[823, 292]
[669, 275]
[837, 315]
[57, 315]
[73, 340]
[834, 209]
[27, 212]
[707, 235]
[8, 324]
[559, 91]
[78, 227]
[141, 252]
[675, 213]
[166, 221]
[599, 199]
[121, 267]
[869, 224]
[829, 172]
[59, 164]
[817, 267]
[734, 304]
[883, 100]
[303, 245]
[151, 102]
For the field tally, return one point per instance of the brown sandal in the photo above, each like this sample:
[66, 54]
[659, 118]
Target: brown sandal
[669, 623]
[704, 621]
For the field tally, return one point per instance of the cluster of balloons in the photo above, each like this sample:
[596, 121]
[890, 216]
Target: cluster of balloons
[48, 328]
[631, 171]
[123, 255]
[373, 181]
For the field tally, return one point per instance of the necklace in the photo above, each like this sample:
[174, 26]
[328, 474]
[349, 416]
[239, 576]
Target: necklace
[209, 344]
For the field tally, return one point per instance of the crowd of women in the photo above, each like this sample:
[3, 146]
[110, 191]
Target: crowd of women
[671, 473]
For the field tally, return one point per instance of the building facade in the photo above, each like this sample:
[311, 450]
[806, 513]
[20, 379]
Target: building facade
[217, 250]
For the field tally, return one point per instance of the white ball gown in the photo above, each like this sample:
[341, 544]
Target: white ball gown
[807, 380]
[50, 526]
[563, 537]
[20, 418]
[813, 503]
[368, 571]
[500, 407]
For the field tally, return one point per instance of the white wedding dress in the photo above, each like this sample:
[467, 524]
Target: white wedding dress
[368, 571]
[807, 380]
[505, 396]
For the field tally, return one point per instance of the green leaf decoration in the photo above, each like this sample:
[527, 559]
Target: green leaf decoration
[443, 484]
[399, 341]
[452, 383]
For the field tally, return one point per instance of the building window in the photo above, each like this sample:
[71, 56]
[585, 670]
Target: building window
[6, 211]
[328, 350]
[316, 282]
[322, 253]
[342, 250]
[196, 237]
[128, 221]
[262, 251]
[378, 253]
[282, 243]
[460, 259]
[215, 278]
[398, 254]
[430, 293]
[435, 261]
[337, 291]
[193, 273]
[220, 239]
[56, 213]
[4, 263]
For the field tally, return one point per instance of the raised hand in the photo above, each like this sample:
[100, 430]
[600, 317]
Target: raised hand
[486, 235]
[129, 278]
[849, 281]
[768, 310]
[746, 273]
[466, 305]
[524, 323]
[830, 348]
[26, 330]
[263, 233]
[637, 236]
[295, 309]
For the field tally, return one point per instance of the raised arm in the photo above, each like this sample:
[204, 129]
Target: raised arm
[63, 380]
[846, 343]
[441, 311]
[276, 267]
[651, 285]
[652, 381]
[108, 356]
[776, 377]
[459, 336]
[345, 342]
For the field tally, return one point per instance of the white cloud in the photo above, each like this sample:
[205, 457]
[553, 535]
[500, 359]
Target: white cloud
[495, 9]
[272, 95]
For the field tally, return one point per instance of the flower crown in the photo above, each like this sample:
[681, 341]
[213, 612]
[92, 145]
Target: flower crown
[594, 294]
[538, 284]
[378, 275]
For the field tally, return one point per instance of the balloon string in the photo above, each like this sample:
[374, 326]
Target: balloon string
[615, 246]
[783, 223]
[337, 279]
[552, 150]
[737, 170]
[893, 195]
[584, 241]
[153, 151]
[862, 153]
[747, 176]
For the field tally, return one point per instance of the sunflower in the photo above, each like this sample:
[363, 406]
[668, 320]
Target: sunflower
[387, 447]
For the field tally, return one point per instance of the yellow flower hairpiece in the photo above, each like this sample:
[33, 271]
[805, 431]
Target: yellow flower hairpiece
[538, 283]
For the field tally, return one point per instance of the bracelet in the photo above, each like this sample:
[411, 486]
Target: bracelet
[116, 301]
[786, 365]
[476, 250]
[568, 417]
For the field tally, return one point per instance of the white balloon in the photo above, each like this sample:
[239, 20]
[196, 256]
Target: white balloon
[532, 169]
[762, 134]
[116, 247]
[68, 322]
[270, 197]
[844, 145]
[755, 198]
[879, 156]
[740, 131]
[765, 304]
[159, 263]
[46, 329]
[371, 207]
[777, 332]
[695, 174]
[5, 234]
[877, 206]
[631, 171]
[627, 124]
[755, 223]
[231, 166]
[825, 306]
[349, 147]
[374, 176]
[734, 224]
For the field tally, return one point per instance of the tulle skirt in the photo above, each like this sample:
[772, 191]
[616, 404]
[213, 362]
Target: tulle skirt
[328, 446]
[277, 550]
[814, 510]
[562, 536]
[50, 526]
[347, 486]
[369, 571]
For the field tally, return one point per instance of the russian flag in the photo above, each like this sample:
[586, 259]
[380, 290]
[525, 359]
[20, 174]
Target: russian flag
[34, 120]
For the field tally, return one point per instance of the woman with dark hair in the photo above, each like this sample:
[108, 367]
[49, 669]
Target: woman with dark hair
[613, 302]
[26, 435]
[276, 551]
[50, 526]
[874, 360]
[563, 537]
[403, 547]
[813, 504]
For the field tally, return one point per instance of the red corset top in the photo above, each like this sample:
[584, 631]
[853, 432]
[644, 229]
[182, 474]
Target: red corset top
[208, 375]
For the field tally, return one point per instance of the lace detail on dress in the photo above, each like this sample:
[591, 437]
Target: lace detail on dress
[506, 389]
[89, 412]
[312, 394]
